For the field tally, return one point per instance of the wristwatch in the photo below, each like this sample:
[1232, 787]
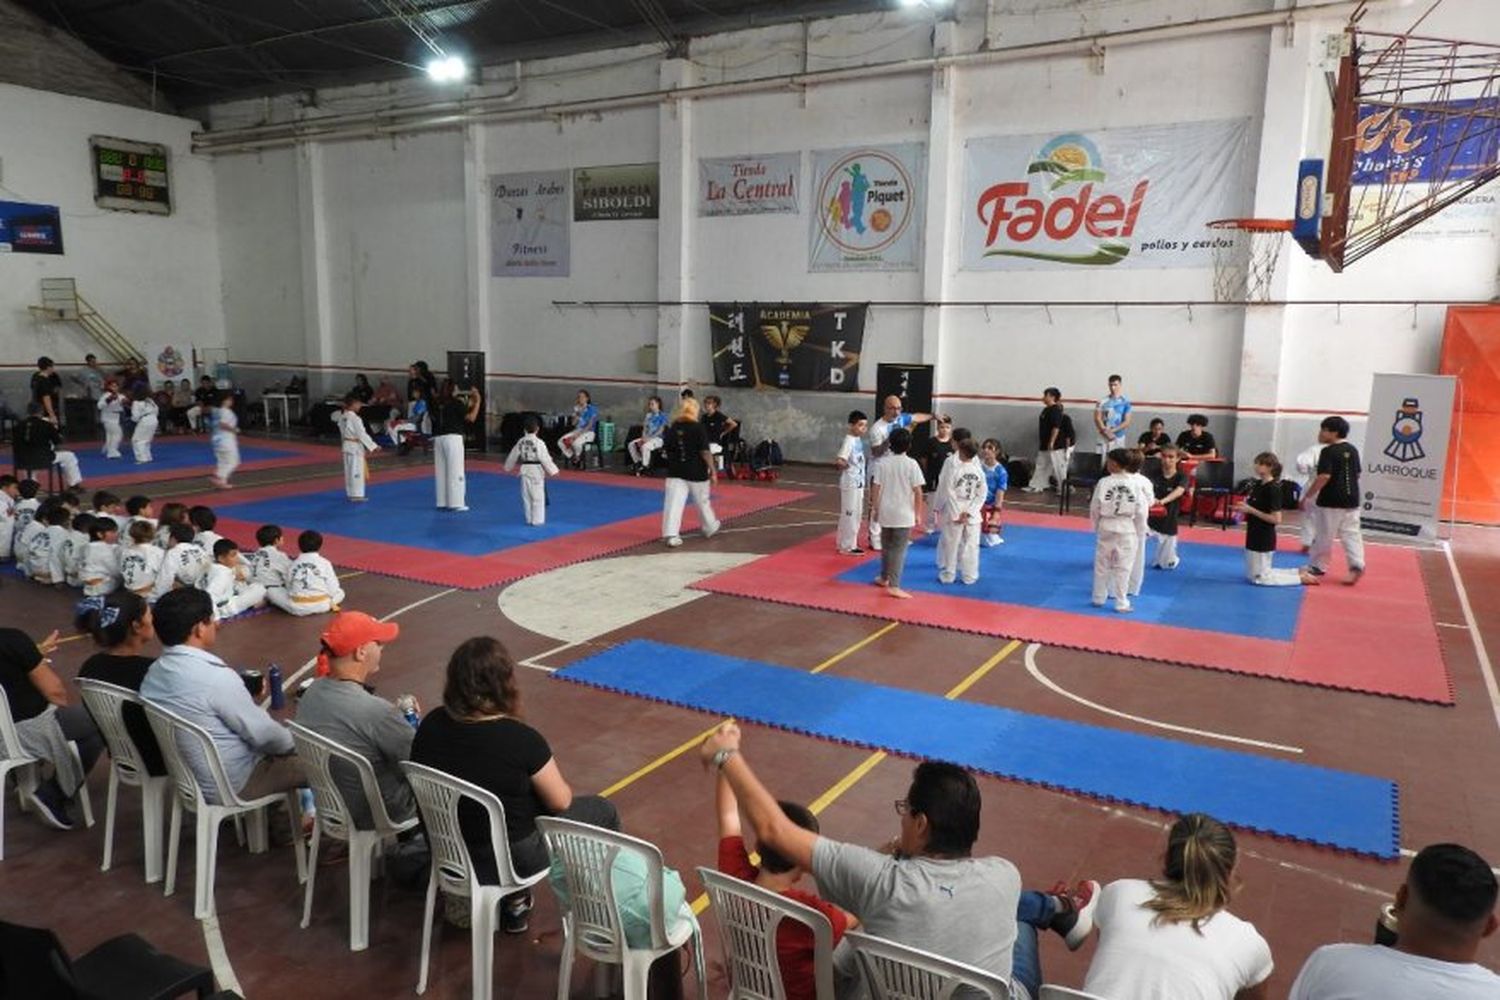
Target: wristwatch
[721, 757]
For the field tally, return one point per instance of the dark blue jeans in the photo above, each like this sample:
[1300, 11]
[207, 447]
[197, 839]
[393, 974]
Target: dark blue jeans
[1034, 910]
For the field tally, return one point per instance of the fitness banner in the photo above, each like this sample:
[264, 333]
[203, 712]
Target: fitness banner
[529, 225]
[867, 208]
[1126, 197]
[30, 228]
[754, 184]
[787, 345]
[1406, 453]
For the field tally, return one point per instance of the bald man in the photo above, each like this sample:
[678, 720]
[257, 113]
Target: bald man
[891, 417]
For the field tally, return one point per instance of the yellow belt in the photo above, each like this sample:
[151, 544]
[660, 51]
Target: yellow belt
[310, 599]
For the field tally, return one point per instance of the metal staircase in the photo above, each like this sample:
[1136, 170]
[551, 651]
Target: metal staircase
[61, 303]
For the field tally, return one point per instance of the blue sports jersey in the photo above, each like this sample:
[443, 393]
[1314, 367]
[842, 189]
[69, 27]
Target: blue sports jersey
[586, 417]
[1115, 410]
[655, 424]
[996, 482]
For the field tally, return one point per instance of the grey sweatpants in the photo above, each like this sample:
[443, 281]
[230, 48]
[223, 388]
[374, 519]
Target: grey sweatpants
[893, 543]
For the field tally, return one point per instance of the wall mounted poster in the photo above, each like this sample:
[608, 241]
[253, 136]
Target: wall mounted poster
[529, 225]
[753, 184]
[787, 345]
[867, 208]
[605, 194]
[26, 228]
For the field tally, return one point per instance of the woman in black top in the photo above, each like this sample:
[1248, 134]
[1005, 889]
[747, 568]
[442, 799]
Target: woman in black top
[939, 447]
[1262, 510]
[120, 622]
[478, 735]
[449, 414]
[1155, 439]
[419, 374]
[690, 471]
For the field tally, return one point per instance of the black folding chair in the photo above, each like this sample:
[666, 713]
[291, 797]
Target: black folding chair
[1085, 469]
[34, 965]
[1215, 480]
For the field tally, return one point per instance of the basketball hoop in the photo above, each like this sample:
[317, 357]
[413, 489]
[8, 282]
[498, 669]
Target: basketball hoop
[1245, 255]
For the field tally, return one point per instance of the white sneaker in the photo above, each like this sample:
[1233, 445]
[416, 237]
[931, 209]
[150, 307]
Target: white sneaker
[674, 542]
[1123, 607]
[711, 532]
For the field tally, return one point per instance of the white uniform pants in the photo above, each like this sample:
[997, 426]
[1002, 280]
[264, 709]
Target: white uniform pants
[958, 551]
[399, 427]
[1138, 566]
[302, 605]
[641, 448]
[67, 463]
[140, 440]
[448, 470]
[1341, 523]
[1258, 570]
[674, 499]
[534, 493]
[851, 510]
[572, 445]
[717, 453]
[356, 471]
[1050, 465]
[252, 596]
[1166, 551]
[1307, 530]
[226, 457]
[874, 529]
[112, 436]
[1114, 555]
[7, 537]
[1108, 445]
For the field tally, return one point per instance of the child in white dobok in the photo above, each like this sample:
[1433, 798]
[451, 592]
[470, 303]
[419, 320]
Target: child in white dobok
[145, 414]
[312, 585]
[961, 490]
[140, 563]
[111, 409]
[530, 454]
[227, 584]
[225, 439]
[356, 443]
[1119, 519]
[850, 462]
[268, 565]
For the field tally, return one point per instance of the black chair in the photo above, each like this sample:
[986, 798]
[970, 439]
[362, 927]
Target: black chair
[1215, 480]
[34, 965]
[1085, 469]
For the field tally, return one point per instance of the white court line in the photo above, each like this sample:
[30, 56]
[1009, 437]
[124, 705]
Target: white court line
[767, 527]
[1482, 654]
[531, 661]
[1046, 681]
[1449, 625]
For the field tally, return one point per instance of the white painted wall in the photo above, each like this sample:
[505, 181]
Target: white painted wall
[150, 275]
[261, 254]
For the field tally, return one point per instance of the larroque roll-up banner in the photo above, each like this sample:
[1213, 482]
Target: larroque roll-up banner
[1406, 453]
[787, 345]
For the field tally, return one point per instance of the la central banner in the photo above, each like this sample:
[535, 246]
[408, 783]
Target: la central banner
[787, 345]
[1126, 197]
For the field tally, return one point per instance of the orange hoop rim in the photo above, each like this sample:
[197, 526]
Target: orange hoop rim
[1254, 225]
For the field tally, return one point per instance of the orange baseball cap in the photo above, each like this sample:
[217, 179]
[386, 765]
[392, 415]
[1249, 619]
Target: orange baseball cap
[350, 630]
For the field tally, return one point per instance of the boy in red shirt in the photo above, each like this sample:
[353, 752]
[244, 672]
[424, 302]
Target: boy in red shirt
[794, 942]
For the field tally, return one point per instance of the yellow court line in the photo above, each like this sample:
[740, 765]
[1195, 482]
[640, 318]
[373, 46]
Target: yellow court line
[861, 644]
[958, 689]
[357, 572]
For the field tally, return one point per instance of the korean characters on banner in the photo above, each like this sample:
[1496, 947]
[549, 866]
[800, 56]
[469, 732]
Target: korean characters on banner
[787, 345]
[1127, 197]
[1406, 454]
[867, 207]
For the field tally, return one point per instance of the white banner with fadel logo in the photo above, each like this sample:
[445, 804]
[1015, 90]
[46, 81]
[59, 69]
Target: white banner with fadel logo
[1127, 197]
[1406, 453]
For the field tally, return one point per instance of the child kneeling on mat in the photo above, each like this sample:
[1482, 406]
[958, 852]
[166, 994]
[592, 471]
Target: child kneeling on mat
[1262, 510]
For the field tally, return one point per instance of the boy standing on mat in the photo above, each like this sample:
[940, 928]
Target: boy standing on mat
[851, 465]
[1334, 495]
[111, 409]
[225, 440]
[1119, 519]
[355, 442]
[530, 452]
[1147, 493]
[891, 418]
[896, 501]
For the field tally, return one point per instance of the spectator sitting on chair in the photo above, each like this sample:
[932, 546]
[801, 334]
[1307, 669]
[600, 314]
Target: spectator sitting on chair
[189, 680]
[1172, 936]
[721, 428]
[362, 389]
[477, 734]
[926, 890]
[340, 706]
[1154, 440]
[182, 405]
[1196, 441]
[120, 623]
[205, 398]
[1445, 908]
[35, 447]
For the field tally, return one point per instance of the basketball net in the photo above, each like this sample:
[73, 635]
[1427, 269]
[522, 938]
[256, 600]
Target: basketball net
[1245, 255]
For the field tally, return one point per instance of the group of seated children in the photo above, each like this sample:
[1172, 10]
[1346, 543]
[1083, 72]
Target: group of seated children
[124, 545]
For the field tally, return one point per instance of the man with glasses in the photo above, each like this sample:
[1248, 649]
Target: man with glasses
[925, 889]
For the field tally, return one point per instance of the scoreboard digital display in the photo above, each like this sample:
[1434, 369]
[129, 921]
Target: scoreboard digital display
[130, 176]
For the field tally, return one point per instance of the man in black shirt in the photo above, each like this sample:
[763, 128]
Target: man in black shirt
[46, 389]
[35, 442]
[1155, 438]
[1334, 499]
[1054, 443]
[1196, 440]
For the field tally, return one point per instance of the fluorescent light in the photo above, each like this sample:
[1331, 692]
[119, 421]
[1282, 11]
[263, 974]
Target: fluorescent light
[447, 69]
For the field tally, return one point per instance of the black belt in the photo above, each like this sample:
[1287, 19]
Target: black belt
[531, 463]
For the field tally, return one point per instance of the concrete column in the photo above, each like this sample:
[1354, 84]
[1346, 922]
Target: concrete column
[943, 185]
[317, 304]
[477, 240]
[677, 357]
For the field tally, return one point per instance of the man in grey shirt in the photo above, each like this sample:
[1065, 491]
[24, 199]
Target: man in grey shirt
[338, 706]
[192, 682]
[927, 891]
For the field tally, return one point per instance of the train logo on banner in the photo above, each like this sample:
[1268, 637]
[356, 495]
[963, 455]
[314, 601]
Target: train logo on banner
[787, 345]
[1406, 432]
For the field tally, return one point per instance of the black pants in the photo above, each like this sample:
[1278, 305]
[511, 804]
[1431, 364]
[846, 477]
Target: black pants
[529, 854]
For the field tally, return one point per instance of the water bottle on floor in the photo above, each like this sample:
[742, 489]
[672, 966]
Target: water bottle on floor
[278, 692]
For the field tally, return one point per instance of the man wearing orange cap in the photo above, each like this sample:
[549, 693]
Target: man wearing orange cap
[340, 706]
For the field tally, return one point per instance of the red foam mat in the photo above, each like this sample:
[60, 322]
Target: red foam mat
[429, 565]
[1375, 638]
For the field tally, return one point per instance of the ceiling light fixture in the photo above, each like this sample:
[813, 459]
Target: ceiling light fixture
[448, 69]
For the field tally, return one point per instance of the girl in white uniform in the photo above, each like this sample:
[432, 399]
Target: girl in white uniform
[961, 491]
[1119, 518]
[650, 440]
[101, 559]
[530, 453]
[145, 414]
[449, 414]
[111, 408]
[356, 443]
[225, 438]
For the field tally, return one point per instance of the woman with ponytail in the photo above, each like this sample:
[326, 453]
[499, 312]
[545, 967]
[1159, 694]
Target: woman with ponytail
[120, 624]
[1172, 938]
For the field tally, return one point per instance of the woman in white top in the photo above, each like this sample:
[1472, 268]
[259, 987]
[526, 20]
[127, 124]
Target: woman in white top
[144, 412]
[1172, 938]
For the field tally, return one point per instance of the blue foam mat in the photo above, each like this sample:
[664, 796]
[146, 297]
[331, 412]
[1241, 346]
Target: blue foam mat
[1318, 805]
[169, 454]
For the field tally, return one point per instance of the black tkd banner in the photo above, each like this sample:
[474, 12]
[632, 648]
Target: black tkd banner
[787, 345]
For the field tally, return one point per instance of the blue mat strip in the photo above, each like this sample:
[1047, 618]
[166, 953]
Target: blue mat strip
[1317, 805]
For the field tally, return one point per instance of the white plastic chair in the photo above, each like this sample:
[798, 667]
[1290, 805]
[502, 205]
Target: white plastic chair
[106, 703]
[172, 730]
[894, 971]
[438, 796]
[13, 758]
[749, 918]
[1065, 993]
[317, 753]
[592, 922]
